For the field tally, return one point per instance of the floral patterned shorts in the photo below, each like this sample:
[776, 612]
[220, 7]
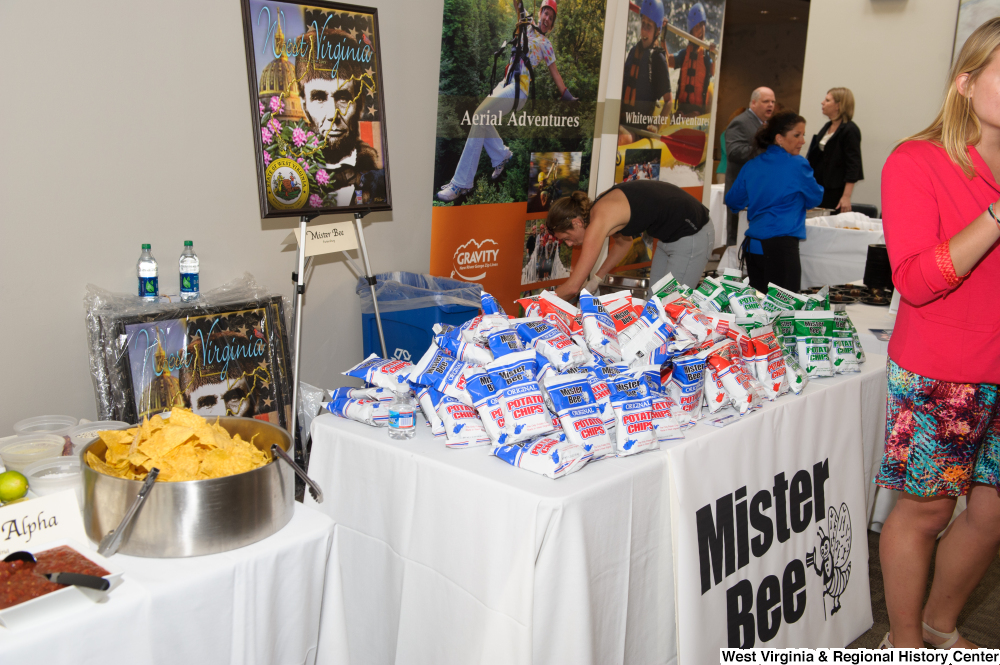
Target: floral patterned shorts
[940, 437]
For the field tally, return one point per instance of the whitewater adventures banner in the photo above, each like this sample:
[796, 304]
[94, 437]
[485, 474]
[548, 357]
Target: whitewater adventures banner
[661, 84]
[769, 530]
[517, 111]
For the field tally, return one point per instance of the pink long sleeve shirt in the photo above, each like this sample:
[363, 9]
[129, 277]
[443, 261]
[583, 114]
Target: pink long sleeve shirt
[947, 328]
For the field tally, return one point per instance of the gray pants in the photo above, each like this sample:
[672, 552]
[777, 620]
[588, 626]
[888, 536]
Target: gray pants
[685, 259]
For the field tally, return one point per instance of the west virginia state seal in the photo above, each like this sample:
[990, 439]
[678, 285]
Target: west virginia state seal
[287, 184]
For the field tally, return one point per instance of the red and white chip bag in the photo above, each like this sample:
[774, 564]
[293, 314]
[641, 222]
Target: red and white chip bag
[743, 395]
[769, 362]
[687, 316]
[664, 423]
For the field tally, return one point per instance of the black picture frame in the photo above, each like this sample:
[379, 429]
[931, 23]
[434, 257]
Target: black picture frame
[295, 176]
[275, 367]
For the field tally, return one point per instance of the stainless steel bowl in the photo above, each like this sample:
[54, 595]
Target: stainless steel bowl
[637, 286]
[195, 517]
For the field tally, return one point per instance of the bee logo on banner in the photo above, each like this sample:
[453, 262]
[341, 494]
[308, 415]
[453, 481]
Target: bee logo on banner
[317, 107]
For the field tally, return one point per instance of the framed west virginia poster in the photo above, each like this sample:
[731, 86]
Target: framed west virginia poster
[318, 109]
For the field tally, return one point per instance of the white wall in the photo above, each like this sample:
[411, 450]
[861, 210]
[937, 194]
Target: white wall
[894, 55]
[127, 122]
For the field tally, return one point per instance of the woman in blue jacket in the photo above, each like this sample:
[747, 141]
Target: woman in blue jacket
[776, 187]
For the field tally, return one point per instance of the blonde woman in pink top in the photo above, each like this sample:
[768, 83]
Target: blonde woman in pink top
[941, 209]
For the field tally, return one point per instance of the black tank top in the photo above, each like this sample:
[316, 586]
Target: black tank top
[664, 211]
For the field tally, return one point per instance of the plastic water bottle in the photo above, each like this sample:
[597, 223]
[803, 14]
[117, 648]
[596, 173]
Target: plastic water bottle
[149, 287]
[189, 272]
[402, 417]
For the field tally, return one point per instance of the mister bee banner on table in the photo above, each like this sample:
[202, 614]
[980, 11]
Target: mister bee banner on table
[517, 111]
[769, 531]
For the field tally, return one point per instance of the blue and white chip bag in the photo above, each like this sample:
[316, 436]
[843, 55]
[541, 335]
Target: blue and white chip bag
[687, 381]
[367, 411]
[525, 413]
[599, 329]
[377, 394]
[556, 346]
[390, 374]
[468, 352]
[634, 431]
[550, 456]
[428, 399]
[503, 342]
[487, 403]
[462, 425]
[579, 414]
[443, 372]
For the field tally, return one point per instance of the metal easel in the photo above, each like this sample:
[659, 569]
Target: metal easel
[299, 278]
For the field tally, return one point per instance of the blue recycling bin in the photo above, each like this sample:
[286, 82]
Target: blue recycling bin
[410, 304]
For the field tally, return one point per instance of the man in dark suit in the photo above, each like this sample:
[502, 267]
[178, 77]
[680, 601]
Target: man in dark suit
[740, 147]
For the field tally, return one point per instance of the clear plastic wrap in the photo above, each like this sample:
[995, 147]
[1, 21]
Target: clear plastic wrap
[400, 291]
[225, 353]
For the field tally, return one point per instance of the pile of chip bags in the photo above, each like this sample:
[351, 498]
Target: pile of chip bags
[564, 386]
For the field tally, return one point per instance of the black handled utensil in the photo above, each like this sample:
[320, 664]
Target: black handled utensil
[314, 490]
[68, 579]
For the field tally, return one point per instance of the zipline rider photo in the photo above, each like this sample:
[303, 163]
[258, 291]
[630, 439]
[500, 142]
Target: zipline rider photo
[664, 211]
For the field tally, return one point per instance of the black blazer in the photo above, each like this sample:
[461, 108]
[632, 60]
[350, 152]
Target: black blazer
[840, 162]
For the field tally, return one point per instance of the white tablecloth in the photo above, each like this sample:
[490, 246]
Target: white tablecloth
[258, 605]
[717, 212]
[830, 254]
[452, 556]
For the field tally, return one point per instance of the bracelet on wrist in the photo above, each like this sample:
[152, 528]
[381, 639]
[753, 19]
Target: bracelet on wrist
[989, 209]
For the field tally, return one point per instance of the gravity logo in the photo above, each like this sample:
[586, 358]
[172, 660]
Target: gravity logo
[475, 256]
[726, 543]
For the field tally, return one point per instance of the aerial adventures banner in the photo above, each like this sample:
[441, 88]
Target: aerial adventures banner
[517, 110]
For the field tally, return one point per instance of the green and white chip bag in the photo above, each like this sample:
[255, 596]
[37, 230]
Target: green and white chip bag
[819, 300]
[814, 342]
[664, 286]
[797, 377]
[733, 275]
[844, 354]
[785, 299]
[710, 296]
[784, 331]
[843, 322]
[744, 301]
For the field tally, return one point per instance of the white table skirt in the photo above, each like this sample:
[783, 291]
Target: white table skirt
[830, 254]
[258, 605]
[452, 556]
[717, 212]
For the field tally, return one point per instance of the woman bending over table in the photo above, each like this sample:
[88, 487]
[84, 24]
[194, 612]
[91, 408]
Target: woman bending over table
[939, 192]
[777, 187]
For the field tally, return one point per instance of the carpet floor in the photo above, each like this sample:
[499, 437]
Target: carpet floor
[979, 622]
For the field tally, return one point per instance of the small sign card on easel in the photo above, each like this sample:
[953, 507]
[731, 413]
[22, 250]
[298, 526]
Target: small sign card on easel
[38, 521]
[326, 238]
